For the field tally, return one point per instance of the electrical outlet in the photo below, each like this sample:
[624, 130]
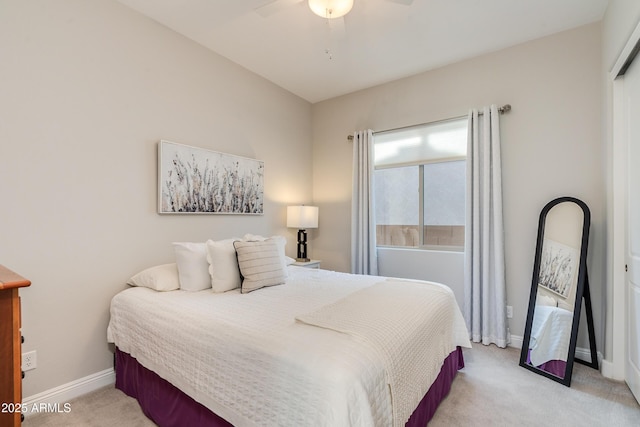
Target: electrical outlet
[509, 312]
[29, 360]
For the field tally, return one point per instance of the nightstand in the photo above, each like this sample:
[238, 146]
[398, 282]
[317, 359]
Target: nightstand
[314, 263]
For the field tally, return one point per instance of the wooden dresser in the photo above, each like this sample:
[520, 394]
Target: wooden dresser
[10, 343]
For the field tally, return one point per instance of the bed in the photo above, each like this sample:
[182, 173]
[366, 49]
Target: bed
[304, 353]
[550, 338]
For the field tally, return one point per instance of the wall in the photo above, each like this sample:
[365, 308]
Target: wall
[446, 267]
[87, 89]
[551, 145]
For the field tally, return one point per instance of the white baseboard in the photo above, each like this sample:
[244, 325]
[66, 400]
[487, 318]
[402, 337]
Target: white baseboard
[611, 370]
[515, 341]
[64, 393]
[585, 354]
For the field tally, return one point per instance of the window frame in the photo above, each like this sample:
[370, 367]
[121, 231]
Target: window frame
[421, 193]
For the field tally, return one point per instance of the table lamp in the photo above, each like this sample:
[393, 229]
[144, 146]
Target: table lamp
[302, 217]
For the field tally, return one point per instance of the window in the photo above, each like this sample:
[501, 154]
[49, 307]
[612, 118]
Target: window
[420, 179]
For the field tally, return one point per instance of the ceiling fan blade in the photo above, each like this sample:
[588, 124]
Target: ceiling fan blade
[274, 7]
[404, 2]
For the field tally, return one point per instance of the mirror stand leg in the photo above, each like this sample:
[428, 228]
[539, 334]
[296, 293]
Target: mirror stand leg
[586, 295]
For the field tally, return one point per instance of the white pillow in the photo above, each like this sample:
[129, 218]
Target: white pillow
[253, 238]
[160, 278]
[546, 300]
[223, 266]
[280, 241]
[193, 268]
[260, 264]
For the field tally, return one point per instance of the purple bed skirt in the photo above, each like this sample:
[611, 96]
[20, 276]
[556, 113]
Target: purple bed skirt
[554, 367]
[167, 406]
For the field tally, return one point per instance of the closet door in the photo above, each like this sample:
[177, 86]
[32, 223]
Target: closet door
[632, 123]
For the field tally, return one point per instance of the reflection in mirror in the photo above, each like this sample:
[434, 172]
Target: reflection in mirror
[558, 285]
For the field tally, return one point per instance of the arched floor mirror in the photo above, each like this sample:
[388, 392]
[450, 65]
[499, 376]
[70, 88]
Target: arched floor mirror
[559, 285]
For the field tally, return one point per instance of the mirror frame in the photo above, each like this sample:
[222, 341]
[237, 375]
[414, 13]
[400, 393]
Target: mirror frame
[582, 291]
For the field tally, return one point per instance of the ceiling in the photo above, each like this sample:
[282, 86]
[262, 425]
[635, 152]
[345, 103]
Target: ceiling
[378, 41]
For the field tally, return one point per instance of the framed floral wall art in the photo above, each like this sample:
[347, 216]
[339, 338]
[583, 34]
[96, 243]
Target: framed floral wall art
[558, 267]
[200, 181]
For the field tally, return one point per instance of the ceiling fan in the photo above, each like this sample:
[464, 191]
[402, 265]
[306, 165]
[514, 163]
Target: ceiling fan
[330, 9]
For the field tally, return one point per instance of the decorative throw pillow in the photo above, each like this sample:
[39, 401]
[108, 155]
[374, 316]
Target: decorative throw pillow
[160, 278]
[281, 242]
[260, 264]
[222, 265]
[193, 268]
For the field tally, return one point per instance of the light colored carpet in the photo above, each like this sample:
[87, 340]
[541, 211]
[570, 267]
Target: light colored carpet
[492, 390]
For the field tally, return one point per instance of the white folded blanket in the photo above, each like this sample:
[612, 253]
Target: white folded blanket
[550, 334]
[411, 325]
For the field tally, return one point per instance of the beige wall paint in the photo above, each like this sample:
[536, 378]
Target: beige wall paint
[551, 144]
[86, 91]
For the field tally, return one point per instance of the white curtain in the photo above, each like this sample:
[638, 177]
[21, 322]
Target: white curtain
[484, 282]
[364, 259]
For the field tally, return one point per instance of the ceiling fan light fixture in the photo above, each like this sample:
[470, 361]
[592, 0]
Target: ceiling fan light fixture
[330, 8]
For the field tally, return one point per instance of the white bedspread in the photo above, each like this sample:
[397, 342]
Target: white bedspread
[245, 358]
[412, 325]
[550, 334]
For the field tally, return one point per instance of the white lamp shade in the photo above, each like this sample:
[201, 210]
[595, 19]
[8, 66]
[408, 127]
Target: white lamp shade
[302, 217]
[330, 8]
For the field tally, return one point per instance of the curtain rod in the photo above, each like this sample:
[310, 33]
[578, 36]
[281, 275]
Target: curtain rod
[504, 109]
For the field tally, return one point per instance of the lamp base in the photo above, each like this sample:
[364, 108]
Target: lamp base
[302, 246]
[303, 259]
